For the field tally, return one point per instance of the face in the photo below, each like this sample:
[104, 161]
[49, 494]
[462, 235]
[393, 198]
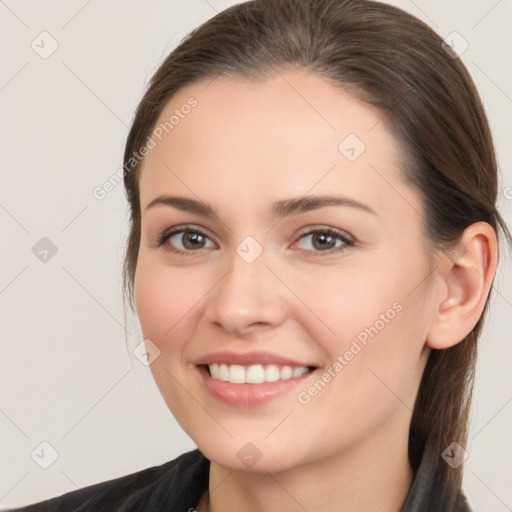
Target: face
[294, 252]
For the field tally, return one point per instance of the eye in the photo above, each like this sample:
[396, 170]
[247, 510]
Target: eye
[184, 240]
[328, 240]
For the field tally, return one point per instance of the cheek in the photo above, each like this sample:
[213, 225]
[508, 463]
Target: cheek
[345, 303]
[372, 329]
[164, 298]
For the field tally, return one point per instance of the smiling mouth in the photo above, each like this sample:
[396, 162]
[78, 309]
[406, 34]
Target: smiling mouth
[256, 373]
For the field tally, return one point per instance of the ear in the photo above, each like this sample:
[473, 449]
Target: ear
[465, 277]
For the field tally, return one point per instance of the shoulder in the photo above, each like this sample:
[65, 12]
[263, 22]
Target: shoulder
[174, 485]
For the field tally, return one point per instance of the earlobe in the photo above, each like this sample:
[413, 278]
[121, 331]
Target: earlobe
[466, 276]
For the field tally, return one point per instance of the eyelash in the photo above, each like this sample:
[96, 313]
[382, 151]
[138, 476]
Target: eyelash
[165, 235]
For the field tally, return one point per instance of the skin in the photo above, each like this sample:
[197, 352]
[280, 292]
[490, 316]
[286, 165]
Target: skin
[245, 146]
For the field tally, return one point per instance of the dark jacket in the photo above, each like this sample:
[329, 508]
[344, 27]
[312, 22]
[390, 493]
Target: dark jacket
[178, 485]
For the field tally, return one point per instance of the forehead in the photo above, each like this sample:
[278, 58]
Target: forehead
[291, 132]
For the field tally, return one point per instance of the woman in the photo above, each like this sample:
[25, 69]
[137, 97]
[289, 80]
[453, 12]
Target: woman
[313, 242]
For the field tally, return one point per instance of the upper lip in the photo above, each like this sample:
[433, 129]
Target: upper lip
[248, 359]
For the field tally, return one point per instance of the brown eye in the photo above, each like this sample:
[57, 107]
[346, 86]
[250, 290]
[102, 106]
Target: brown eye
[185, 241]
[191, 240]
[325, 240]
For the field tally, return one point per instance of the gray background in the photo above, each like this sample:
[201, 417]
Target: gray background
[66, 376]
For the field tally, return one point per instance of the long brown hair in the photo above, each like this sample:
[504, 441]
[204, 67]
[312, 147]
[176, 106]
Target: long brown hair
[390, 59]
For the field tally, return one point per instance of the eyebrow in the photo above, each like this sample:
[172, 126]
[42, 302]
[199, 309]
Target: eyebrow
[282, 208]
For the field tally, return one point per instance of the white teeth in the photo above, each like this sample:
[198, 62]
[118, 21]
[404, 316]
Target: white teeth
[272, 373]
[214, 370]
[297, 372]
[254, 374]
[286, 372]
[236, 374]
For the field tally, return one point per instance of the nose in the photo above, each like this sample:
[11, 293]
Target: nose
[248, 298]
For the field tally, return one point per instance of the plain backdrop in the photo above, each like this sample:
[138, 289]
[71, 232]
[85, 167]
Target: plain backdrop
[67, 378]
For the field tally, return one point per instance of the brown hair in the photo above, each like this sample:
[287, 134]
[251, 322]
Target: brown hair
[389, 59]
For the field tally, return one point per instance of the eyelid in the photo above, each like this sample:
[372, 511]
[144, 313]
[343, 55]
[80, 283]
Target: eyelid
[325, 228]
[347, 239]
[163, 236]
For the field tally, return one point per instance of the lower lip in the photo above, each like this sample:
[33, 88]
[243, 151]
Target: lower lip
[247, 395]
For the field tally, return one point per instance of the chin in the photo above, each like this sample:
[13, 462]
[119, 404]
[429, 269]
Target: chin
[247, 457]
[270, 464]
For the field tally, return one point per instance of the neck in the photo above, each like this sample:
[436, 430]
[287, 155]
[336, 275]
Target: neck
[375, 476]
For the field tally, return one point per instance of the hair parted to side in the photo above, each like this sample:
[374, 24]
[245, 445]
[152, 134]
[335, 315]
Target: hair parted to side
[389, 59]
